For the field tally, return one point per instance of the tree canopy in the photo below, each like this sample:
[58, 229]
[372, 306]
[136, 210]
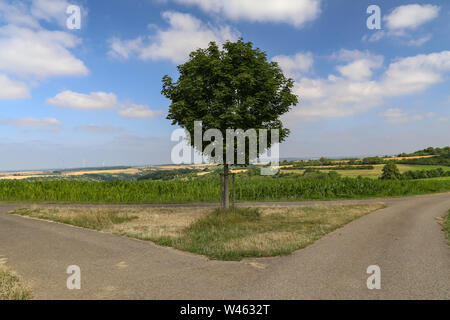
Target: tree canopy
[235, 87]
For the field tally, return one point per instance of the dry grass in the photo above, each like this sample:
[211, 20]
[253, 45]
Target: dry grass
[10, 286]
[97, 219]
[136, 223]
[290, 228]
[224, 235]
[158, 222]
[409, 158]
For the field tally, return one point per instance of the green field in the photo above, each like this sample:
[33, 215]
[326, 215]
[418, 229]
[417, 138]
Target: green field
[376, 171]
[255, 188]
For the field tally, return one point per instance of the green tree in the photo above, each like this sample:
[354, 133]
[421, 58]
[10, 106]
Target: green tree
[391, 172]
[231, 88]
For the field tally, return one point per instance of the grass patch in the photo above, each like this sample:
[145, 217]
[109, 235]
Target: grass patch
[85, 218]
[262, 232]
[11, 287]
[223, 235]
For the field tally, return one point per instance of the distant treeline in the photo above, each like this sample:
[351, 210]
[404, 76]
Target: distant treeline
[339, 167]
[166, 174]
[427, 152]
[441, 160]
[424, 174]
[441, 157]
[91, 169]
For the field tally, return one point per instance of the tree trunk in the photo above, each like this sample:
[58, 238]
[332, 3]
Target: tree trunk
[226, 187]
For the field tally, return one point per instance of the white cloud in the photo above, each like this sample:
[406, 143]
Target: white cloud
[185, 34]
[10, 89]
[360, 65]
[30, 52]
[16, 14]
[92, 128]
[396, 115]
[415, 74]
[122, 49]
[139, 112]
[375, 36]
[93, 101]
[410, 16]
[346, 95]
[33, 123]
[40, 53]
[419, 42]
[101, 101]
[50, 10]
[295, 65]
[294, 12]
[403, 19]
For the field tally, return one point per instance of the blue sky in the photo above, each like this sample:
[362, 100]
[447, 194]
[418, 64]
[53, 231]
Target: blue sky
[91, 97]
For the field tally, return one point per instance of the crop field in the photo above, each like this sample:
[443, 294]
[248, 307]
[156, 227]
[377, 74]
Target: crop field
[373, 173]
[323, 179]
[255, 188]
[92, 173]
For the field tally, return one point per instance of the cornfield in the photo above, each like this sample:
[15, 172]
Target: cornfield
[207, 190]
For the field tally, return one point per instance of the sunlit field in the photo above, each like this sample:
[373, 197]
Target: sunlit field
[376, 171]
[255, 188]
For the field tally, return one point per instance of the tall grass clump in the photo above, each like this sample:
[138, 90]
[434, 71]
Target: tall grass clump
[10, 286]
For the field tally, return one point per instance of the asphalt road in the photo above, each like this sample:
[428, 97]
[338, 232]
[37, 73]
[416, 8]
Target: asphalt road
[404, 240]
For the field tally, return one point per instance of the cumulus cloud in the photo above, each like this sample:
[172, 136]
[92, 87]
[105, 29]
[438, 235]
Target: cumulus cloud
[50, 10]
[31, 52]
[347, 94]
[184, 34]
[410, 16]
[123, 49]
[294, 12]
[17, 14]
[403, 19]
[10, 89]
[139, 112]
[101, 101]
[33, 123]
[39, 53]
[360, 65]
[92, 101]
[415, 74]
[295, 65]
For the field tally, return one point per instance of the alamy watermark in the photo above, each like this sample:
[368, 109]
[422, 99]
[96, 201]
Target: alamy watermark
[374, 281]
[73, 22]
[236, 153]
[374, 20]
[74, 280]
